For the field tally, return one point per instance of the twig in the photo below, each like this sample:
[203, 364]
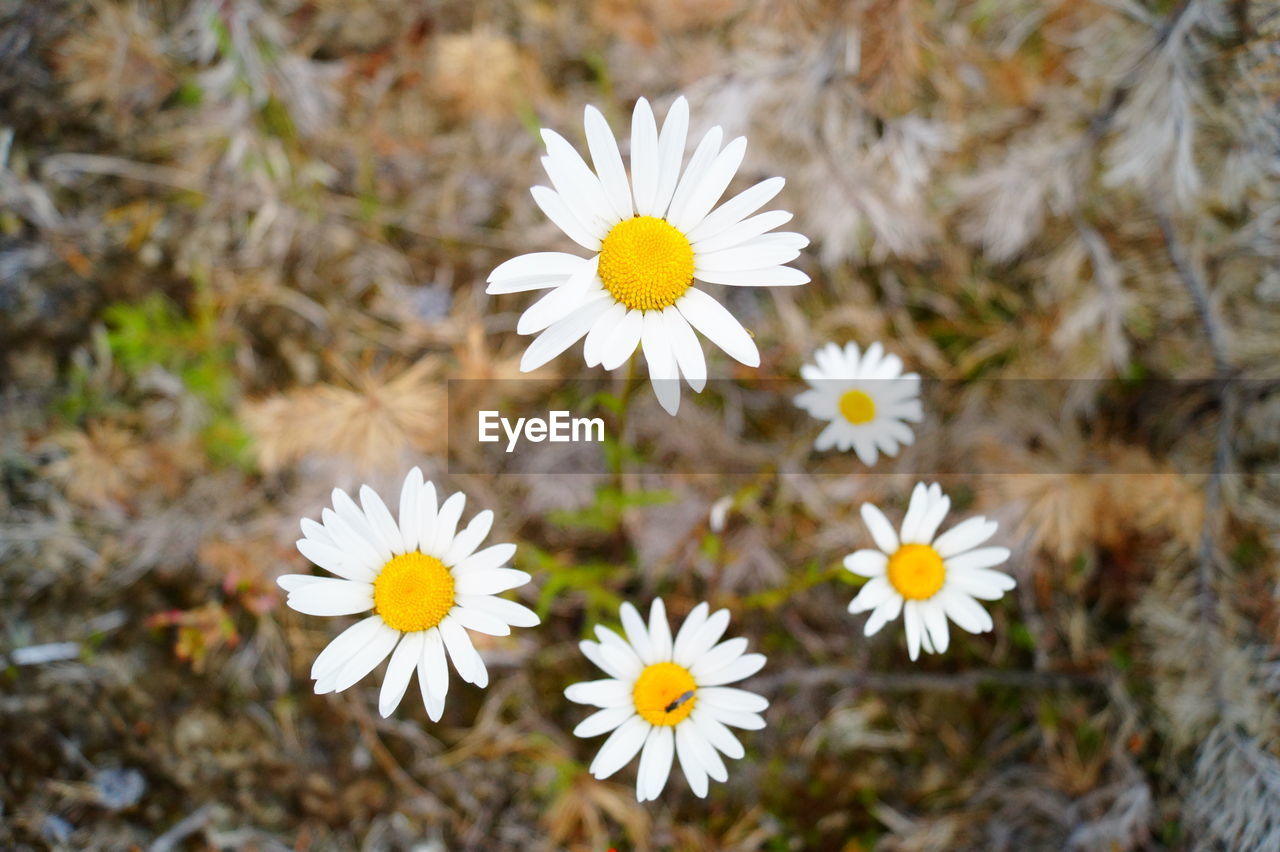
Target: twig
[1100, 123]
[1198, 290]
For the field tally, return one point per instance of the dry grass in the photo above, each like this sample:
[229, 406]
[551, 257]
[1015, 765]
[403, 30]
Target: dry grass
[242, 249]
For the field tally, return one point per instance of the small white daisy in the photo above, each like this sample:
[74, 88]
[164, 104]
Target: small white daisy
[928, 580]
[668, 697]
[425, 581]
[865, 396]
[649, 237]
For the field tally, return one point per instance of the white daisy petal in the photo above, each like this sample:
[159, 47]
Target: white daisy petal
[880, 528]
[659, 630]
[747, 229]
[624, 340]
[479, 621]
[563, 334]
[601, 693]
[538, 264]
[875, 592]
[574, 180]
[692, 624]
[358, 523]
[613, 666]
[663, 373]
[738, 719]
[366, 659]
[601, 333]
[670, 153]
[719, 326]
[717, 734]
[603, 721]
[290, 582]
[731, 698]
[528, 283]
[618, 652]
[428, 514]
[867, 563]
[691, 759]
[702, 640]
[965, 535]
[932, 520]
[485, 560]
[433, 669]
[687, 350]
[637, 634]
[983, 557]
[703, 156]
[776, 276]
[329, 596]
[466, 660]
[712, 185]
[582, 288]
[916, 510]
[708, 757]
[882, 615]
[622, 745]
[935, 621]
[717, 658]
[446, 524]
[404, 661]
[735, 210]
[345, 645]
[332, 559]
[465, 542]
[912, 622]
[561, 215]
[408, 517]
[981, 583]
[740, 669]
[967, 613]
[316, 532]
[655, 762]
[380, 520]
[744, 258]
[490, 581]
[509, 612]
[608, 163]
[644, 157]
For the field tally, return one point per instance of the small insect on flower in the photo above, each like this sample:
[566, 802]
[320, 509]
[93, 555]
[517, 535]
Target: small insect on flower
[668, 698]
[866, 398]
[649, 238]
[423, 578]
[928, 580]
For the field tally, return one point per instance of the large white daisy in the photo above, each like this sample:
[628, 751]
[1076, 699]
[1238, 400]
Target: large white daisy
[666, 698]
[423, 578]
[925, 579]
[866, 398]
[649, 237]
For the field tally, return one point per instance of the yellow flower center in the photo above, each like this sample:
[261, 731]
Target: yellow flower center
[857, 407]
[413, 592]
[916, 571]
[646, 263]
[664, 694]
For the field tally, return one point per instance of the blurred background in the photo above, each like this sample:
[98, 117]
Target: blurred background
[243, 246]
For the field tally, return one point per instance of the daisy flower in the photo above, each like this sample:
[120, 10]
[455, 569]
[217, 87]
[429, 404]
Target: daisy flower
[666, 698]
[648, 238]
[928, 580]
[425, 582]
[866, 398]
